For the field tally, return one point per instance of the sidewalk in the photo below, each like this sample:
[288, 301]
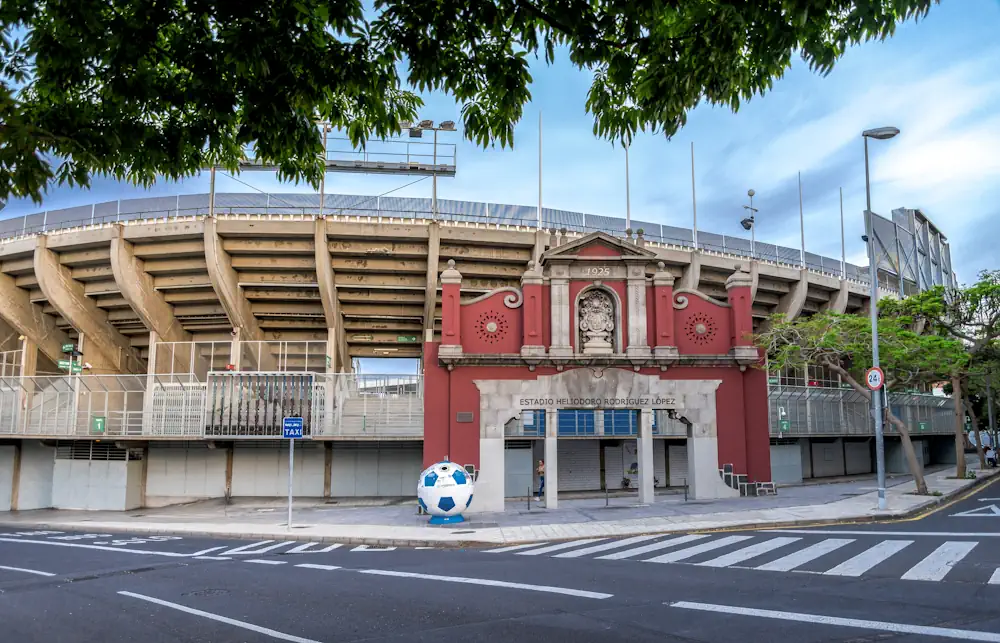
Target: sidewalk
[575, 518]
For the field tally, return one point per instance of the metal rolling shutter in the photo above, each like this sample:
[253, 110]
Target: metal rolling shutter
[660, 463]
[678, 460]
[518, 469]
[579, 465]
[613, 467]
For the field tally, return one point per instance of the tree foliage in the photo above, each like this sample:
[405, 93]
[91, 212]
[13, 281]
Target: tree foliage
[136, 89]
[842, 343]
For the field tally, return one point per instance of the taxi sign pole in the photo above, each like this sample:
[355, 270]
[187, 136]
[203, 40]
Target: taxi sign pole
[291, 469]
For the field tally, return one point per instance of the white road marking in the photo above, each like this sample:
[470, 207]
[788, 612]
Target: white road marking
[207, 551]
[326, 568]
[869, 558]
[995, 578]
[305, 549]
[747, 553]
[645, 549]
[940, 561]
[559, 546]
[265, 562]
[503, 550]
[212, 558]
[803, 556]
[689, 552]
[490, 583]
[169, 554]
[988, 511]
[367, 548]
[26, 571]
[248, 550]
[908, 534]
[883, 626]
[222, 619]
[616, 544]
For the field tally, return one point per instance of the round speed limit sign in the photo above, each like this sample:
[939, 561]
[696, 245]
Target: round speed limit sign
[874, 378]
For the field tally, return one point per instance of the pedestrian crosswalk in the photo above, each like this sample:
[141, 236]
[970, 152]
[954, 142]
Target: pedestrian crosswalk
[272, 547]
[858, 556]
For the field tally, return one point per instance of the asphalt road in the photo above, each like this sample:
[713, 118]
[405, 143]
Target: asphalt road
[921, 580]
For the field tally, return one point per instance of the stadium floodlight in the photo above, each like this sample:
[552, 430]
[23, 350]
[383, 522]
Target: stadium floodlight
[426, 125]
[448, 126]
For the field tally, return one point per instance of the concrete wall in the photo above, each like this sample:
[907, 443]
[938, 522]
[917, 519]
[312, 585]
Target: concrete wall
[806, 445]
[942, 450]
[184, 474]
[6, 476]
[895, 459]
[37, 465]
[96, 484]
[858, 457]
[263, 472]
[828, 459]
[786, 463]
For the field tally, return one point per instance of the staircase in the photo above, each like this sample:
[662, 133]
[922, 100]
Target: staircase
[379, 416]
[738, 481]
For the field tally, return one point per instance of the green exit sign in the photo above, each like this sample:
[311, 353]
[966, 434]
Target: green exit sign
[406, 339]
[922, 426]
[773, 381]
[98, 424]
[784, 426]
[64, 364]
[68, 348]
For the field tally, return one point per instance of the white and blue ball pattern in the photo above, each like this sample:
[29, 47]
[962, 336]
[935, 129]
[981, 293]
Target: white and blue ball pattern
[444, 491]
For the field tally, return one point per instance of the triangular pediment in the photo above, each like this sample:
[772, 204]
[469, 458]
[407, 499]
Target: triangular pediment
[595, 240]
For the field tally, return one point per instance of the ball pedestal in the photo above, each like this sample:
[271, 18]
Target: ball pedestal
[446, 520]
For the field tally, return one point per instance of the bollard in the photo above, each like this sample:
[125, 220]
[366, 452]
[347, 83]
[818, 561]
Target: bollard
[606, 496]
[685, 489]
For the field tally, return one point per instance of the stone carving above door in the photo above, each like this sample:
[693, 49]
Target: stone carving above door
[597, 322]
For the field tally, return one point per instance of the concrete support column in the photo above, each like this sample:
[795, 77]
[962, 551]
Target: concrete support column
[235, 354]
[147, 396]
[560, 313]
[15, 482]
[638, 339]
[29, 364]
[451, 311]
[331, 381]
[328, 469]
[644, 452]
[551, 459]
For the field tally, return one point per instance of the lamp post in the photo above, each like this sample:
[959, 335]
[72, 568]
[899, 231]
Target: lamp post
[750, 223]
[880, 133]
[416, 131]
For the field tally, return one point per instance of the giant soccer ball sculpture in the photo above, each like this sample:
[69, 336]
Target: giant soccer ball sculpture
[444, 491]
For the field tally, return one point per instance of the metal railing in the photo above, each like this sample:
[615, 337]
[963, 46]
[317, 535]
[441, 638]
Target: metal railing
[818, 411]
[385, 207]
[377, 405]
[587, 423]
[201, 358]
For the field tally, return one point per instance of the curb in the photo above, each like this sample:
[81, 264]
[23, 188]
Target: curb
[917, 512]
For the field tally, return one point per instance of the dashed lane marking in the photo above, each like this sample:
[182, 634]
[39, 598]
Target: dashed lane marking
[212, 558]
[261, 561]
[566, 591]
[861, 624]
[326, 568]
[26, 571]
[169, 554]
[275, 634]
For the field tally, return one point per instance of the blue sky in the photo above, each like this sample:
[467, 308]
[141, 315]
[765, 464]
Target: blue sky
[936, 80]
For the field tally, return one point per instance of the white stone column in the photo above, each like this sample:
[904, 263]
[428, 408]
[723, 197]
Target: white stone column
[551, 459]
[490, 485]
[638, 340]
[704, 481]
[598, 422]
[559, 313]
[644, 452]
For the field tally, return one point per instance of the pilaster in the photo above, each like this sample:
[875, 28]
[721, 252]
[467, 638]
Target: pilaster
[638, 342]
[560, 315]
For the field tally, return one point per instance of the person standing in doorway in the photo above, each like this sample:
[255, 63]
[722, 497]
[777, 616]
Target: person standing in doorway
[540, 470]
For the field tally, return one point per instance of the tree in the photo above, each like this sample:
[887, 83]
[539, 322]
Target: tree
[970, 315]
[135, 89]
[842, 343]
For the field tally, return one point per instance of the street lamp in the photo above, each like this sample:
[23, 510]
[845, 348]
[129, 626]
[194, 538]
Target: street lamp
[748, 223]
[879, 133]
[416, 130]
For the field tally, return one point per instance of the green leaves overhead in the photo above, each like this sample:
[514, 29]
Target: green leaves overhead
[136, 89]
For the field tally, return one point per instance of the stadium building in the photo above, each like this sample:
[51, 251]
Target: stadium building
[150, 349]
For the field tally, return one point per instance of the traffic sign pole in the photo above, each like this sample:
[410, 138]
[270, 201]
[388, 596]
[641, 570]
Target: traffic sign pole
[291, 469]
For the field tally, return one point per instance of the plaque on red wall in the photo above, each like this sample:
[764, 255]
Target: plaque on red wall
[463, 417]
